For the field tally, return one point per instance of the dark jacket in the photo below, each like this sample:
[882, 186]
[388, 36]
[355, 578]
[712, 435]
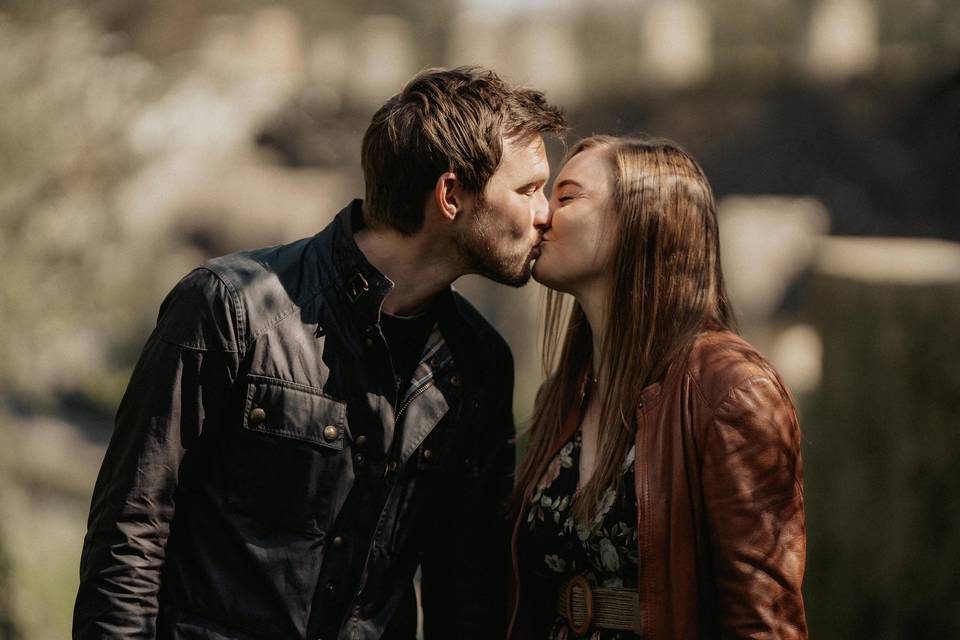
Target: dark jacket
[255, 446]
[720, 525]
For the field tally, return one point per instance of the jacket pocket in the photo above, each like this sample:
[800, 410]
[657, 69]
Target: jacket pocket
[290, 410]
[287, 466]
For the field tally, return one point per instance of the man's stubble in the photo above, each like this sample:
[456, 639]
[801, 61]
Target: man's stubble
[482, 247]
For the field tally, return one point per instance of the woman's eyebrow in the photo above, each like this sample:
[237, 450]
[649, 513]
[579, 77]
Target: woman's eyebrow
[566, 182]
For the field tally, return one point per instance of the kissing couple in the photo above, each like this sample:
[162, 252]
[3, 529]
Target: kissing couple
[310, 424]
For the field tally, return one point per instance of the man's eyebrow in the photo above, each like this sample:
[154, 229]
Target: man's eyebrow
[566, 182]
[535, 183]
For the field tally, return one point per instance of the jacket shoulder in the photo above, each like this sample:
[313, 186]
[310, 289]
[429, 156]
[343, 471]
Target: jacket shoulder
[198, 313]
[720, 361]
[269, 284]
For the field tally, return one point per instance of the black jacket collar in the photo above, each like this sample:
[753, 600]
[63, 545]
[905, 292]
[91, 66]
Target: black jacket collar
[362, 287]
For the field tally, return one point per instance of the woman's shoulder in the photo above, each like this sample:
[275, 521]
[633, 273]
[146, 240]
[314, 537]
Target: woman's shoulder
[720, 361]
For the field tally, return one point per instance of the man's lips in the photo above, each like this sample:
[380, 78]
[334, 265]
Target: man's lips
[537, 248]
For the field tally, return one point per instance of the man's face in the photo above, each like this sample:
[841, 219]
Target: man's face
[501, 235]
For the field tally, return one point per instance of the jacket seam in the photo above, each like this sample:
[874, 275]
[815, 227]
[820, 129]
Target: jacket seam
[727, 392]
[283, 315]
[193, 347]
[743, 384]
[296, 386]
[238, 312]
[697, 387]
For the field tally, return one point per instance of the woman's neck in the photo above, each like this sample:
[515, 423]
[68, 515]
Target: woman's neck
[593, 301]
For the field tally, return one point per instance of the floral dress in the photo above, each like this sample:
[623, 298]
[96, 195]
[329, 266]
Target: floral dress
[604, 548]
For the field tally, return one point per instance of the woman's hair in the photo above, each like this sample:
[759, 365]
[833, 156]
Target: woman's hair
[667, 286]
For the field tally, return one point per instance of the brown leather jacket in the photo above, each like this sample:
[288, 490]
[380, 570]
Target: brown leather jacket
[718, 475]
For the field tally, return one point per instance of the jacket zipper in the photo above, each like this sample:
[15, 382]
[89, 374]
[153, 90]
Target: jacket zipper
[379, 530]
[413, 396]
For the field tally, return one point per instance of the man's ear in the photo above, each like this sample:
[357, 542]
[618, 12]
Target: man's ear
[448, 195]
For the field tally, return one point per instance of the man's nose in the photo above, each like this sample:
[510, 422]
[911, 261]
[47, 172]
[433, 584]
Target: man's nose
[542, 212]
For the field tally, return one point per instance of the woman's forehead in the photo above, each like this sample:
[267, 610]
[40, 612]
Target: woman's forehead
[587, 169]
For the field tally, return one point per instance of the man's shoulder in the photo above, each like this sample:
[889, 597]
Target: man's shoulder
[248, 272]
[268, 284]
[198, 313]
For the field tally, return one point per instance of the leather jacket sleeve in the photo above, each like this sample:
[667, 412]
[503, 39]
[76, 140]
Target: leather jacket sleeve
[753, 502]
[182, 378]
[465, 564]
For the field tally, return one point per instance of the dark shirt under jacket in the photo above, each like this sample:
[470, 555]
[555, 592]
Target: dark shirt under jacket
[265, 480]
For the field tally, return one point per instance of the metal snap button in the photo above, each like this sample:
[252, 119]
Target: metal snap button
[330, 433]
[257, 416]
[338, 541]
[455, 380]
[360, 441]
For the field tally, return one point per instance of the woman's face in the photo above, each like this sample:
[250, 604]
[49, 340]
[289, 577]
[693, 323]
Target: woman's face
[577, 249]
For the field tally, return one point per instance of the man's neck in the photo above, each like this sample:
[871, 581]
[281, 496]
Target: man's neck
[418, 268]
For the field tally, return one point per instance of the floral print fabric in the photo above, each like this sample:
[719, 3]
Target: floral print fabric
[604, 548]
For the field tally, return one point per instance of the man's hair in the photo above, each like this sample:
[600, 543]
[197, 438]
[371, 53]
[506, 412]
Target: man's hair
[444, 120]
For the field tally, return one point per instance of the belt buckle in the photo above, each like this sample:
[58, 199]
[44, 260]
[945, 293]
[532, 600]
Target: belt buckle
[584, 584]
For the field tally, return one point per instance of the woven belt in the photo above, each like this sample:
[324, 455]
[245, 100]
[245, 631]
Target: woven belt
[583, 607]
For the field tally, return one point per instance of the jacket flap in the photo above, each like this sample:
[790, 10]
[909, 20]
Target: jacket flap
[292, 410]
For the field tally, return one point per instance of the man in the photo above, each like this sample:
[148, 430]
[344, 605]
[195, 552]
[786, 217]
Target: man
[309, 423]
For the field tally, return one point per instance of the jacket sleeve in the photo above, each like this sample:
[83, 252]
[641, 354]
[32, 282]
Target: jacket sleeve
[466, 565]
[187, 364]
[753, 499]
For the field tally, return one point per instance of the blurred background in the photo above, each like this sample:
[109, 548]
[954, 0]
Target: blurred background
[138, 139]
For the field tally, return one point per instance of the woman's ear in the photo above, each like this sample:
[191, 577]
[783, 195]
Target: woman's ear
[447, 195]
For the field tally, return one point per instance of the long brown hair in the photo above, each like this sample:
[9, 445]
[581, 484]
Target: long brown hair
[667, 285]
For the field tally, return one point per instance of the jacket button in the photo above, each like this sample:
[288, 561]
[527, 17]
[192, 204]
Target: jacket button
[455, 380]
[338, 541]
[330, 433]
[360, 441]
[427, 454]
[257, 416]
[358, 459]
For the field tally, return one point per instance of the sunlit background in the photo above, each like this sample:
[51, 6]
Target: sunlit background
[138, 139]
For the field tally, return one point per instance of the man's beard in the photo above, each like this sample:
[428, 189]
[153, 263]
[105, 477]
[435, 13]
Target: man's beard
[482, 248]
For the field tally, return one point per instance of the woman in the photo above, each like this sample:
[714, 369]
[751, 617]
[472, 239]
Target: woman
[660, 495]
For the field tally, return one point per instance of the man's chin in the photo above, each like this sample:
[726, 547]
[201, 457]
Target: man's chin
[511, 279]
